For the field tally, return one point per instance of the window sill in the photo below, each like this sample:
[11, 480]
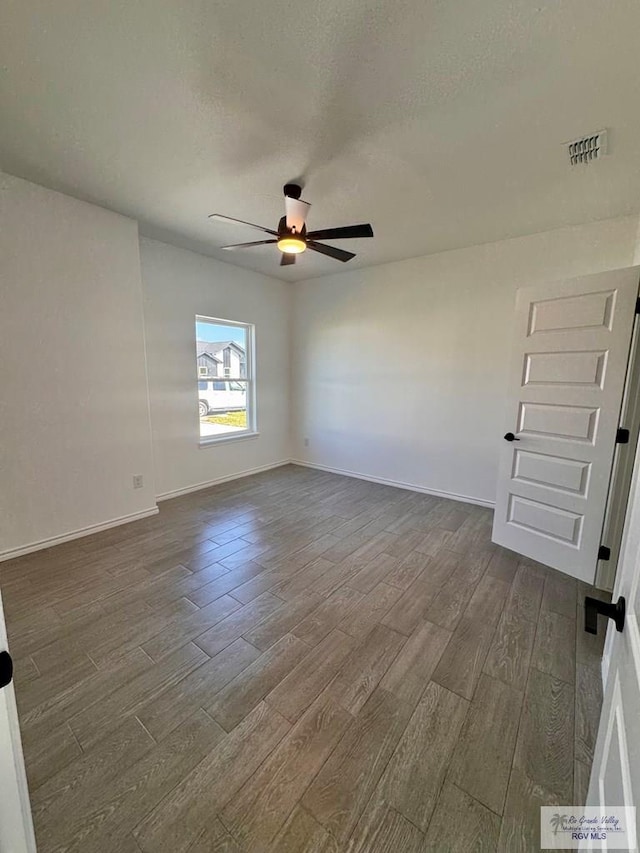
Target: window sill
[226, 439]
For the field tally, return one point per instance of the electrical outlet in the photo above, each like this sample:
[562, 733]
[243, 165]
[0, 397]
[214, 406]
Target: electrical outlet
[306, 442]
[137, 481]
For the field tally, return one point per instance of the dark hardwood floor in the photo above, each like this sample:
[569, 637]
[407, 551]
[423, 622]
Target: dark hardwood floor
[298, 661]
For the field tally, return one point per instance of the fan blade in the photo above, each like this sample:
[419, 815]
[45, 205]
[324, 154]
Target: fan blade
[242, 222]
[287, 259]
[247, 245]
[345, 233]
[297, 211]
[331, 251]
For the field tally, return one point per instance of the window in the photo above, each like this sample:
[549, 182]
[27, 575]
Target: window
[225, 404]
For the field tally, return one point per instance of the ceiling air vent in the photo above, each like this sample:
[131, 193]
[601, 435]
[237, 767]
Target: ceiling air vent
[587, 148]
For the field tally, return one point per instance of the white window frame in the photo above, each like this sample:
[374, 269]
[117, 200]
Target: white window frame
[249, 379]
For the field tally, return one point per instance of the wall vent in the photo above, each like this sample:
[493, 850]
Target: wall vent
[587, 148]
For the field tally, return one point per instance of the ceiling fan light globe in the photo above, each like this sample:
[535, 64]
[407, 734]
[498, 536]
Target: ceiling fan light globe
[291, 245]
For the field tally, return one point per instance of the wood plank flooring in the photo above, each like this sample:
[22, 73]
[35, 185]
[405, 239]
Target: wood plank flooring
[303, 663]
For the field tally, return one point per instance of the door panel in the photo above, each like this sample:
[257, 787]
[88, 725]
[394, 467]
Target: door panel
[583, 311]
[569, 359]
[564, 368]
[554, 421]
[565, 475]
[547, 520]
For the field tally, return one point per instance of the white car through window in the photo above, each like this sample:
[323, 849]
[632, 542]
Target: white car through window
[220, 395]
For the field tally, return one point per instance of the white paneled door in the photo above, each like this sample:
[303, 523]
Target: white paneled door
[569, 360]
[615, 773]
[16, 828]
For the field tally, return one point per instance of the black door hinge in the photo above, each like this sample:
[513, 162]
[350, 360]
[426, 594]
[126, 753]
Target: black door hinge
[638, 305]
[622, 436]
[604, 553]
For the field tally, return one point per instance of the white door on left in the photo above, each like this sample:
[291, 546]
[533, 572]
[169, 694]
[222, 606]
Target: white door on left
[16, 827]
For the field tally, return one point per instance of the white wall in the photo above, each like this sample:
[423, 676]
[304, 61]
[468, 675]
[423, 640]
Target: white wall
[74, 402]
[179, 284]
[74, 418]
[400, 371]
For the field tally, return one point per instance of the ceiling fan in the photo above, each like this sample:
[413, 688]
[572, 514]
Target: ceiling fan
[292, 237]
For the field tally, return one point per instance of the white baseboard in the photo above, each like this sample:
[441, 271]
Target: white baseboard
[76, 534]
[136, 516]
[176, 493]
[412, 487]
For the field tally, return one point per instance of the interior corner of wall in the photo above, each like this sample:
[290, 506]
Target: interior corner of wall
[636, 246]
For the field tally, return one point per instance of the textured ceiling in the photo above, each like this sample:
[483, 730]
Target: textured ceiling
[441, 123]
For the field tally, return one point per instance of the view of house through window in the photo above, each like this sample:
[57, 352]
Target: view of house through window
[225, 377]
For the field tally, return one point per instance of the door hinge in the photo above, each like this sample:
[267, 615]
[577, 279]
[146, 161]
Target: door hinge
[638, 305]
[622, 436]
[604, 553]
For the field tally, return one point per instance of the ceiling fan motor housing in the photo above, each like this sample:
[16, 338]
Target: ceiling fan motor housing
[284, 231]
[292, 190]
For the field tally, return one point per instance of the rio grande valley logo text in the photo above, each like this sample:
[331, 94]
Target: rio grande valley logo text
[585, 828]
